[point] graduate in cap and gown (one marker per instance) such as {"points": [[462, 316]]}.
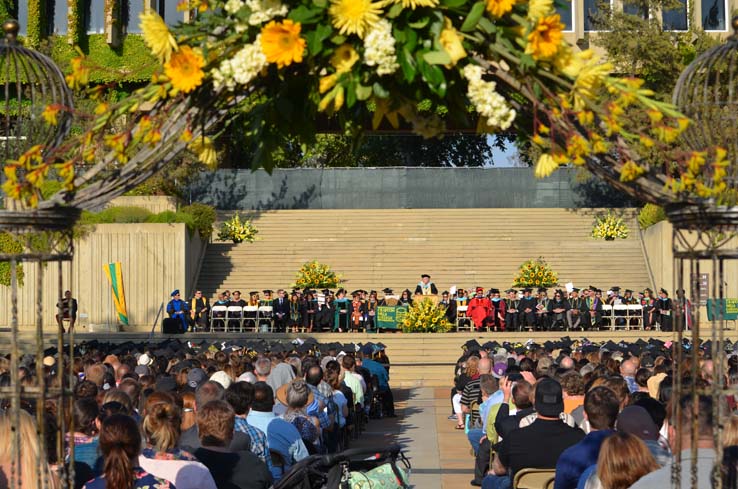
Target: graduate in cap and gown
{"points": [[593, 304], [199, 308], [342, 311], [480, 308], [449, 306], [369, 310], [425, 286], [557, 310], [648, 303], [664, 308], [308, 309], [178, 309], [512, 317], [498, 311], [576, 306], [544, 318]]}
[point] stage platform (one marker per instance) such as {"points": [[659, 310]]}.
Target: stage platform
{"points": [[418, 359]]}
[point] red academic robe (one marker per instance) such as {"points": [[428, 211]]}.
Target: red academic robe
{"points": [[498, 314], [479, 310]]}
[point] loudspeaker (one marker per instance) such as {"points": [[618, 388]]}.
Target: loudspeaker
{"points": [[172, 326]]}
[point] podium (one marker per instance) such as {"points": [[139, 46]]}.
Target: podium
{"points": [[432, 297]]}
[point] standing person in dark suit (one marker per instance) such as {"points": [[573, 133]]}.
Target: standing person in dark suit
{"points": [[325, 315], [68, 310], [281, 311], [425, 286], [199, 309], [593, 304]]}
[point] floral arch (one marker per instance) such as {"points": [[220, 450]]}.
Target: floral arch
{"points": [[423, 65]]}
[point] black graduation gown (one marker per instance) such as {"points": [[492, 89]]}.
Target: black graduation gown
{"points": [[664, 309], [527, 318]]}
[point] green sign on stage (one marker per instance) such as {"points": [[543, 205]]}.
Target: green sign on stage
{"points": [[390, 317], [729, 308]]}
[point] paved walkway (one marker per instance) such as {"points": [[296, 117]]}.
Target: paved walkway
{"points": [[439, 454]]}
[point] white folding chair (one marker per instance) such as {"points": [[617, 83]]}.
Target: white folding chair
{"points": [[635, 315], [234, 314], [251, 315], [218, 314], [607, 316], [265, 315], [461, 318]]}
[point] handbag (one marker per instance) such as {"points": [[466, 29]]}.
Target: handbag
{"points": [[383, 477]]}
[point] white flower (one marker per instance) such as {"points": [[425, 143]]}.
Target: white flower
{"points": [[265, 10], [241, 68], [379, 48], [233, 6], [488, 102]]}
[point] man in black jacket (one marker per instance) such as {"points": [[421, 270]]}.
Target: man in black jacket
{"points": [[426, 287], [281, 311]]}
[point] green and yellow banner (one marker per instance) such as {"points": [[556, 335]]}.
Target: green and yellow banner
{"points": [[114, 271]]}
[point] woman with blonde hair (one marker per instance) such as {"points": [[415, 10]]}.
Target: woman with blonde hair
{"points": [[623, 459], [470, 372], [162, 458], [30, 455], [730, 435]]}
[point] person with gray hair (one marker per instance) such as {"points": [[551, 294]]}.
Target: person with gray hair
{"points": [[297, 395], [262, 369], [190, 439], [567, 363]]}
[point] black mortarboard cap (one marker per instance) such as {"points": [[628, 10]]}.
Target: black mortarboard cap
{"points": [[520, 350], [510, 290], [495, 291], [425, 275], [542, 289], [527, 289], [387, 290], [489, 346], [267, 291], [50, 352], [615, 288], [575, 289], [472, 345]]}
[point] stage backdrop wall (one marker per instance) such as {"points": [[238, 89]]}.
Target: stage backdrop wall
{"points": [[399, 188], [155, 258], [657, 240]]}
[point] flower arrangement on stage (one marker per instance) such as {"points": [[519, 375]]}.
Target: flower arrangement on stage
{"points": [[609, 227], [237, 231], [535, 273], [316, 275], [425, 317]]}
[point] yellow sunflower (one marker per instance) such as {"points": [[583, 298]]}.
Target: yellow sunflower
{"points": [[184, 69], [413, 4], [544, 41], [498, 8], [157, 36], [281, 42], [451, 43], [354, 16], [344, 58]]}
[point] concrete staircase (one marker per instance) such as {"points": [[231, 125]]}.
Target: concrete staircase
{"points": [[373, 249]]}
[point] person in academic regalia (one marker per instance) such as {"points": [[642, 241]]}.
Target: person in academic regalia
{"points": [[281, 311], [356, 312], [342, 311], [615, 299], [449, 306], [648, 303], [405, 299], [370, 311], [236, 300], [388, 299], [542, 315], [512, 316], [684, 310], [178, 309], [199, 309], [254, 298], [425, 286], [664, 309], [557, 309], [498, 311], [628, 298], [326, 315], [309, 307], [576, 306], [593, 303], [527, 308], [480, 308], [294, 320]]}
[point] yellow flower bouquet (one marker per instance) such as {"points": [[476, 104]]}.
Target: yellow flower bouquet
{"points": [[237, 231], [609, 227], [425, 317], [316, 275], [535, 273]]}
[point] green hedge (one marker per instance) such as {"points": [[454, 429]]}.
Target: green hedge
{"points": [[9, 244], [649, 215], [131, 62], [197, 217]]}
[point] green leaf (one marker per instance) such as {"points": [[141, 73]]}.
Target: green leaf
{"points": [[473, 18], [437, 58], [487, 25], [362, 92], [411, 39], [351, 95], [338, 39], [394, 11], [306, 15], [420, 23], [380, 91], [315, 38], [453, 3], [407, 63], [320, 3]]}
